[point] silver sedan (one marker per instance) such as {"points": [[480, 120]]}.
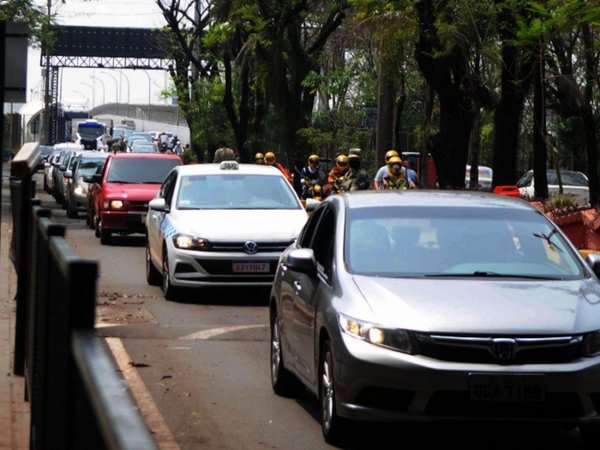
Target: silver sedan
{"points": [[428, 306]]}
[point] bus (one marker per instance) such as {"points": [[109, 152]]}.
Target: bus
{"points": [[92, 134]]}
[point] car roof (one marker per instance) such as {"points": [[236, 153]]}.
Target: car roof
{"points": [[215, 169], [93, 154], [425, 198], [124, 155]]}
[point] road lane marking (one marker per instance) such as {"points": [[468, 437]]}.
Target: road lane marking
{"points": [[213, 332], [148, 408]]}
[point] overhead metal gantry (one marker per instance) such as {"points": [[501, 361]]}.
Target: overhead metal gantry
{"points": [[98, 47]]}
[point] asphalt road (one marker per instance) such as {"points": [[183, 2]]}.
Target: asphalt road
{"points": [[199, 368]]}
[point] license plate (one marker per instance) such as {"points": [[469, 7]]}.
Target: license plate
{"points": [[507, 388], [251, 267]]}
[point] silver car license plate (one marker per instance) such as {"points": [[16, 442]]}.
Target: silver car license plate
{"points": [[251, 267], [507, 388]]}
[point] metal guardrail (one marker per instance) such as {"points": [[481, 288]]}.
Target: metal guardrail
{"points": [[77, 398]]}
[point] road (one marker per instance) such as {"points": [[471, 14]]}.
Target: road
{"points": [[199, 367]]}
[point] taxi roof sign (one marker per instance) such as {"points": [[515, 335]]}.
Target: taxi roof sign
{"points": [[229, 165]]}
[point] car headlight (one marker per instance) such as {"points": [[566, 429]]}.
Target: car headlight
{"points": [[78, 190], [187, 242], [394, 339], [113, 204], [591, 344]]}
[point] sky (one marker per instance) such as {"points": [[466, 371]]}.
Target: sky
{"points": [[92, 87]]}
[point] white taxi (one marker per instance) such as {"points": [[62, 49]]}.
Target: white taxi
{"points": [[220, 225]]}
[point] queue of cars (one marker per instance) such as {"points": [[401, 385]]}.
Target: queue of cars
{"points": [[386, 305]]}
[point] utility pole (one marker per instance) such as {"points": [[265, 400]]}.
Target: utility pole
{"points": [[46, 122]]}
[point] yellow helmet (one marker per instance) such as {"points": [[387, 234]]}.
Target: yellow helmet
{"points": [[313, 159], [389, 154], [259, 158], [270, 158], [394, 164], [341, 162]]}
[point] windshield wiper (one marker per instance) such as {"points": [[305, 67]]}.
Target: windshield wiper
{"points": [[490, 274]]}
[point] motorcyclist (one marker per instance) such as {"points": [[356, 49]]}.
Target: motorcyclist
{"points": [[378, 180], [259, 158], [270, 161], [356, 178], [163, 142], [395, 177], [311, 176], [335, 180]]}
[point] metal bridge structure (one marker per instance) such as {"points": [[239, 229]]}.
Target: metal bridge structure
{"points": [[107, 48]]}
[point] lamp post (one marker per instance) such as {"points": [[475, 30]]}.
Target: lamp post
{"points": [[87, 99], [117, 94], [103, 91], [93, 93], [149, 91], [121, 75]]}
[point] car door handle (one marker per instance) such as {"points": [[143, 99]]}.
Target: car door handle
{"points": [[298, 285]]}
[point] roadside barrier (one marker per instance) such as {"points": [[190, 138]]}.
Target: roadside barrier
{"points": [[77, 398]]}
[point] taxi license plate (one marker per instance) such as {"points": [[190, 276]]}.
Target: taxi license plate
{"points": [[251, 267], [507, 388]]}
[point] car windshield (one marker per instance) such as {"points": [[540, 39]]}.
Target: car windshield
{"points": [[450, 242], [140, 170], [236, 192], [88, 166]]}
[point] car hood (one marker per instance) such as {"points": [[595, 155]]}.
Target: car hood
{"points": [[484, 306], [131, 191], [237, 225]]}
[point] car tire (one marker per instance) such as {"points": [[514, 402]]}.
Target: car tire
{"points": [[169, 290], [105, 236], [283, 381], [153, 276], [334, 427], [72, 211], [590, 435], [96, 221]]}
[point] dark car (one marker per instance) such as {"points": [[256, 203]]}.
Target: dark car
{"points": [[414, 306], [79, 177]]}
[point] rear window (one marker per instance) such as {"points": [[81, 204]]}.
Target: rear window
{"points": [[140, 170]]}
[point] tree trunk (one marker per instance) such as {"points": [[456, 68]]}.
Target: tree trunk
{"points": [[587, 114], [539, 131], [385, 113]]}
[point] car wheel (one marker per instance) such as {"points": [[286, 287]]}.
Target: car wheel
{"points": [[105, 236], [168, 289], [590, 435], [333, 426], [71, 210], [152, 274], [283, 381]]}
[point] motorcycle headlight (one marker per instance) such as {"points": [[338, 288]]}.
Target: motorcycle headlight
{"points": [[395, 339], [591, 344], [78, 190], [187, 242]]}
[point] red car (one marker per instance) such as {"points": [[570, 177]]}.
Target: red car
{"points": [[120, 195]]}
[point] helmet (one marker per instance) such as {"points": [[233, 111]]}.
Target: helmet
{"points": [[394, 164], [313, 159], [389, 154], [270, 158], [259, 158], [341, 162]]}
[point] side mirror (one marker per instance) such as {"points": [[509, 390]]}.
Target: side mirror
{"points": [[158, 204], [593, 260], [97, 178], [87, 179], [311, 204], [68, 174], [302, 260], [62, 168]]}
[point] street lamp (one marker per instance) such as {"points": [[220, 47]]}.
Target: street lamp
{"points": [[117, 95], [103, 91], [149, 91], [121, 74], [93, 93], [87, 99]]}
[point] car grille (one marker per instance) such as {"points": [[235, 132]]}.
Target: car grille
{"points": [[138, 206], [458, 404], [262, 247], [225, 267], [500, 350]]}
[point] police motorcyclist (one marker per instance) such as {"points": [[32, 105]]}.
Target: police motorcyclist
{"points": [[395, 177], [312, 175], [335, 180], [356, 179]]}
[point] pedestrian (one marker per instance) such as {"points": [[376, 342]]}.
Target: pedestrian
{"points": [[224, 153], [378, 180]]}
